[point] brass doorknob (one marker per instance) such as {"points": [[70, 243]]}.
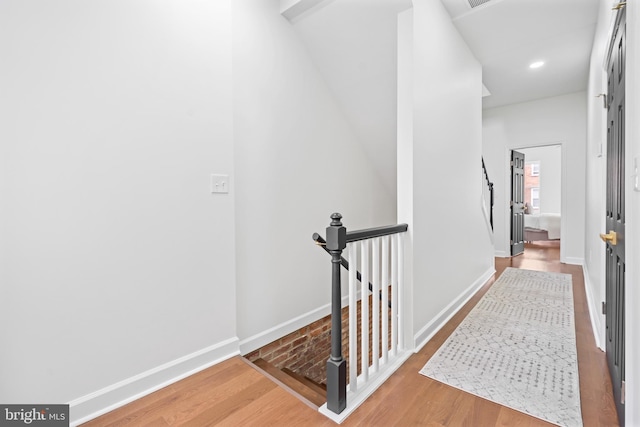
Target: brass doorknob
{"points": [[612, 238], [619, 5]]}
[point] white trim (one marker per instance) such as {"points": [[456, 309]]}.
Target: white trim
{"points": [[501, 254], [564, 190], [535, 190], [485, 92], [119, 394], [594, 313], [535, 168], [263, 338], [430, 329], [572, 260]]}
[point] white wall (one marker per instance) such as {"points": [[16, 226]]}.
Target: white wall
{"points": [[550, 161], [297, 161], [114, 253], [595, 207], [557, 120], [353, 45], [115, 257], [445, 209], [405, 168], [596, 166]]}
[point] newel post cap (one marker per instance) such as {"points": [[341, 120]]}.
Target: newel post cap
{"points": [[336, 234]]}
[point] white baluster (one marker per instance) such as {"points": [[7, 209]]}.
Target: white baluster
{"points": [[364, 310], [353, 317], [394, 297], [385, 299], [400, 238], [375, 304]]}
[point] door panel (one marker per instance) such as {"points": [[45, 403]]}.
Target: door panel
{"points": [[615, 213], [517, 203]]}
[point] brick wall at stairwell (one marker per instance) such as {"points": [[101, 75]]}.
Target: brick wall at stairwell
{"points": [[306, 350]]}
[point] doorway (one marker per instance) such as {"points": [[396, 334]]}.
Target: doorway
{"points": [[540, 195]]}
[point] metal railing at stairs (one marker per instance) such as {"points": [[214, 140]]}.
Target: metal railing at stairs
{"points": [[488, 193]]}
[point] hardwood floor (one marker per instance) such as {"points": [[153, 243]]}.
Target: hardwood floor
{"points": [[234, 394]]}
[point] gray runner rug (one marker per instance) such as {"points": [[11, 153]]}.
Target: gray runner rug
{"points": [[517, 347]]}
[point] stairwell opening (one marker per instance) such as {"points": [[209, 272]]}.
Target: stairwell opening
{"points": [[304, 352]]}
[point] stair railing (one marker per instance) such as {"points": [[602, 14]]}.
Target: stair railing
{"points": [[322, 243], [487, 193], [376, 261]]}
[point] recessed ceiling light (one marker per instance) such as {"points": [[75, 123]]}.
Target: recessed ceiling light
{"points": [[537, 64]]}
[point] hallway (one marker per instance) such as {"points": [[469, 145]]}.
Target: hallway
{"points": [[232, 393]]}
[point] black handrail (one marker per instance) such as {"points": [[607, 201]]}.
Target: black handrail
{"points": [[337, 238], [370, 233], [490, 185]]}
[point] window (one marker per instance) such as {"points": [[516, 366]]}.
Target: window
{"points": [[535, 169], [535, 198]]}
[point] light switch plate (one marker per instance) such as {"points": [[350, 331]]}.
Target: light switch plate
{"points": [[219, 183]]}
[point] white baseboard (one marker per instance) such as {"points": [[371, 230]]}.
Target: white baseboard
{"points": [[119, 394], [594, 313], [502, 254], [430, 329], [256, 341], [572, 260]]}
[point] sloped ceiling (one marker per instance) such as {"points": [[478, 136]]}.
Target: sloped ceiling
{"points": [[353, 44]]}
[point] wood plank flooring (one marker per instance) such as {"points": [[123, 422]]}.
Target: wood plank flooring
{"points": [[234, 394]]}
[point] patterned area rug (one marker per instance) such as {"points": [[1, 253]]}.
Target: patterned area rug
{"points": [[517, 347]]}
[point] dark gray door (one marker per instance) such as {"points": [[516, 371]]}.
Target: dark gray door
{"points": [[517, 203], [615, 215]]}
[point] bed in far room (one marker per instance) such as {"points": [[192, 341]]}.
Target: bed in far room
{"points": [[545, 226]]}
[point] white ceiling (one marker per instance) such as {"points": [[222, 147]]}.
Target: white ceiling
{"points": [[508, 35], [353, 44]]}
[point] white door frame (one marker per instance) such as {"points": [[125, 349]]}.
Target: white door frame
{"points": [[563, 192]]}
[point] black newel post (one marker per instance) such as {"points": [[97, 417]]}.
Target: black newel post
{"points": [[336, 365]]}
